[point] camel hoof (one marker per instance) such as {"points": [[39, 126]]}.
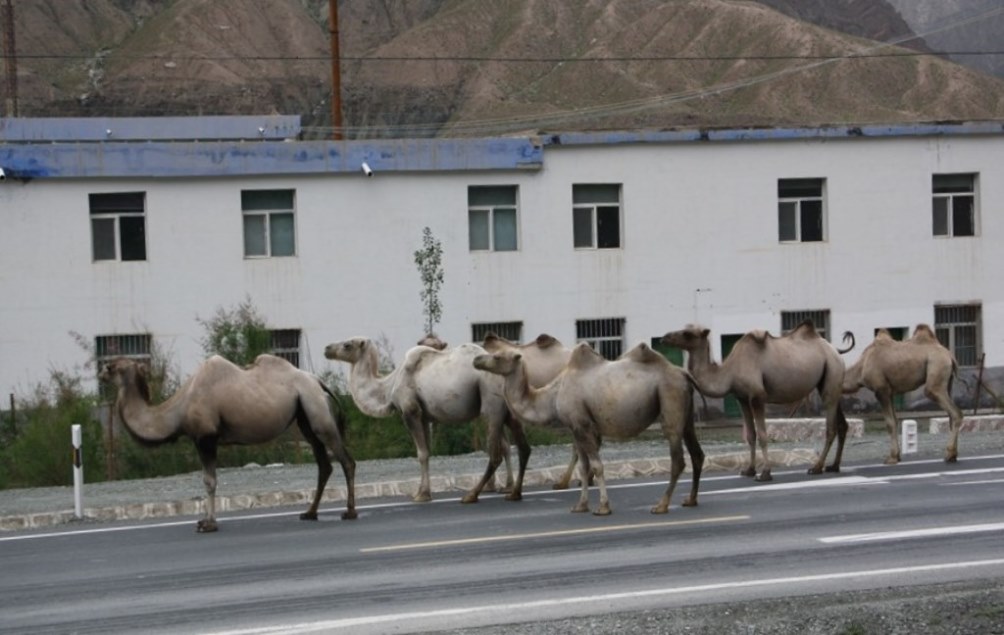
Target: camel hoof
{"points": [[763, 477], [690, 502], [308, 516], [206, 526], [560, 486], [514, 496], [952, 458], [469, 498], [580, 509], [349, 515], [659, 509], [891, 460], [748, 472], [422, 498], [815, 469], [603, 510], [833, 469]]}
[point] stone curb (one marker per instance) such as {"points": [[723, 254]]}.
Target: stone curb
{"points": [[614, 470]]}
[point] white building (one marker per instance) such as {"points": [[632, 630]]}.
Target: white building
{"points": [[123, 230]]}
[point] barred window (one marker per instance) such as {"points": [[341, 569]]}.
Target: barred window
{"points": [[512, 331], [605, 335], [135, 346], [286, 344], [958, 328], [820, 317]]}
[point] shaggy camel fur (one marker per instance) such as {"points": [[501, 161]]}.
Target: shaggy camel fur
{"points": [[888, 368], [433, 386], [763, 369], [544, 357], [222, 404], [597, 398]]}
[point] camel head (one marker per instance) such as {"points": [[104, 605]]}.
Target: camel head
{"points": [[500, 363], [689, 338], [350, 351], [124, 372]]}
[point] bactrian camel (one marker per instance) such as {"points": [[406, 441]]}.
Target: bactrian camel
{"points": [[763, 369], [619, 399], [433, 386], [223, 404], [544, 357], [888, 368]]}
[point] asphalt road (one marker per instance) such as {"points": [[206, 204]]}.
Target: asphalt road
{"points": [[404, 567]]}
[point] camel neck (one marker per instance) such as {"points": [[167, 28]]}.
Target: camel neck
{"points": [[535, 406], [370, 391], [712, 379], [149, 424]]}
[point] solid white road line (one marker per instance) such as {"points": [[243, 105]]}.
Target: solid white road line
{"points": [[914, 533]]}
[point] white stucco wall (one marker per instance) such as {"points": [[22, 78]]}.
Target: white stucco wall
{"points": [[699, 245]]}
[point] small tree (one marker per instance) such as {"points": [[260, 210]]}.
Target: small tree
{"points": [[239, 334], [429, 260]]}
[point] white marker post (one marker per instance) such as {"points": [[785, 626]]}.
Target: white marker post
{"points": [[78, 473], [909, 433]]}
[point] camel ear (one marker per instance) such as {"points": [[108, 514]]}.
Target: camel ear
{"points": [[705, 332], [517, 357]]}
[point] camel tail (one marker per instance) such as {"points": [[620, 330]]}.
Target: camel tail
{"points": [[695, 388], [847, 336], [339, 408]]}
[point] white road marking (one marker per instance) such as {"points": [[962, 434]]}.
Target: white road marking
{"points": [[509, 609], [839, 481], [914, 533]]}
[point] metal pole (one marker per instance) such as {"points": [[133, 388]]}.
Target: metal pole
{"points": [[10, 57], [78, 473], [336, 73]]}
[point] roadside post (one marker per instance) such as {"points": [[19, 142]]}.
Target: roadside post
{"points": [[78, 473], [909, 441]]}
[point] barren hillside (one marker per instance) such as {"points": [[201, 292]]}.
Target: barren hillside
{"points": [[423, 67]]}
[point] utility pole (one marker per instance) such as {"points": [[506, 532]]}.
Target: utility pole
{"points": [[336, 72], [10, 57]]}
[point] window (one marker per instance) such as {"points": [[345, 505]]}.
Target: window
{"points": [[954, 204], [800, 210], [286, 344], [606, 335], [596, 216], [821, 318], [958, 329], [118, 226], [512, 331], [491, 215], [268, 223]]}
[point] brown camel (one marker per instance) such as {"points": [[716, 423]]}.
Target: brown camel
{"points": [[222, 404], [619, 399], [763, 369], [433, 386], [544, 357], [888, 368]]}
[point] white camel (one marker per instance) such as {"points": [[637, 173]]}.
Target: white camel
{"points": [[433, 386], [619, 399], [889, 368], [763, 369], [222, 404]]}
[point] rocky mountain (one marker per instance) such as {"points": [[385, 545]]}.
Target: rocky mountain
{"points": [[484, 67]]}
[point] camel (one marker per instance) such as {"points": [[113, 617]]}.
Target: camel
{"points": [[763, 369], [544, 357], [433, 386], [888, 368], [598, 398], [432, 341], [222, 404]]}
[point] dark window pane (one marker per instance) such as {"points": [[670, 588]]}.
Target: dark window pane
{"points": [[610, 349], [582, 227], [962, 216], [252, 200], [103, 238], [608, 227], [504, 221], [812, 221], [799, 188], [117, 202], [950, 183], [941, 216], [596, 193], [254, 235], [965, 345], [786, 221], [491, 195], [133, 237], [281, 234], [478, 230]]}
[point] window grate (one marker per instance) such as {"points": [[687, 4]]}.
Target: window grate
{"points": [[819, 317], [605, 335], [512, 331], [136, 346], [286, 344], [958, 329]]}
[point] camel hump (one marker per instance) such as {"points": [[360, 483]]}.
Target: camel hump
{"points": [[546, 341], [806, 328], [643, 354], [924, 332], [883, 334], [760, 336], [414, 358], [584, 356]]}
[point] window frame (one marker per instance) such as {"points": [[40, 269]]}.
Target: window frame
{"points": [[799, 202], [582, 191], [950, 197], [491, 212], [269, 216], [605, 335], [949, 320], [114, 207]]}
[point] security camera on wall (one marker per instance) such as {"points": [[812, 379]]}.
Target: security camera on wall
{"points": [[3, 175], [367, 170]]}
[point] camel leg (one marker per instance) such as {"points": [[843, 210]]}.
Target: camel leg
{"points": [[495, 444], [760, 417], [749, 433], [523, 446], [566, 478], [941, 397], [842, 426], [414, 420], [585, 471], [836, 429], [884, 398], [207, 455], [324, 468], [696, 456], [331, 445], [676, 466]]}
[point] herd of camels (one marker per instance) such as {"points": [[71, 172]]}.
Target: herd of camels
{"points": [[538, 383]]}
